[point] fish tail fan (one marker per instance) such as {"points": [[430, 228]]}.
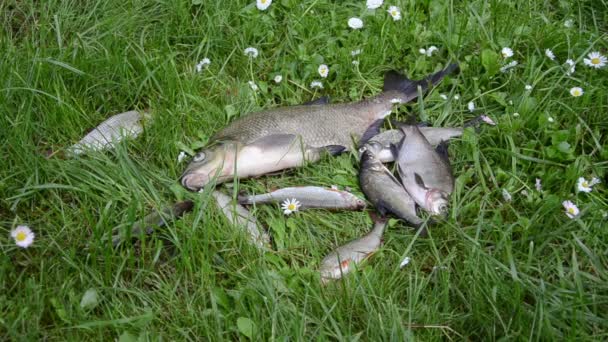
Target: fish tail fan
{"points": [[393, 81]]}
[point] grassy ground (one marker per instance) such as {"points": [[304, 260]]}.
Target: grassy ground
{"points": [[494, 270]]}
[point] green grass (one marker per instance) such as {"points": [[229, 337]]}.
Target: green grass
{"points": [[493, 270]]}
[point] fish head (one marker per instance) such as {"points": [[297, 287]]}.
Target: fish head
{"points": [[437, 202], [208, 164]]}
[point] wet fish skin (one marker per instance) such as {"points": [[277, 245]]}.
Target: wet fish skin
{"points": [[269, 154], [110, 132], [435, 135], [326, 126], [344, 258], [309, 197], [425, 174], [382, 189], [237, 215]]}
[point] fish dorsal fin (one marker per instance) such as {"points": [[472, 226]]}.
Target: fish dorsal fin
{"points": [[320, 101], [371, 131], [393, 81], [419, 180]]}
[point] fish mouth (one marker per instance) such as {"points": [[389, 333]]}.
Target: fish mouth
{"points": [[194, 181]]}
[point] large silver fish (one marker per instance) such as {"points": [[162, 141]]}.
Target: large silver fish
{"points": [[238, 216], [309, 197], [343, 260], [110, 132], [425, 171], [286, 137], [382, 189]]}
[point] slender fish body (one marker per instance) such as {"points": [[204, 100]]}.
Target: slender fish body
{"points": [[343, 260], [270, 140], [382, 189], [425, 171], [110, 132], [237, 215], [310, 197]]}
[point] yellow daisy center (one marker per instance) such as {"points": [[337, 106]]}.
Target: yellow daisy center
{"points": [[263, 1], [595, 60], [585, 184], [21, 236], [394, 13], [576, 92], [571, 211], [291, 206]]}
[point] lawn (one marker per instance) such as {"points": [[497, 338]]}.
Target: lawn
{"points": [[507, 263]]}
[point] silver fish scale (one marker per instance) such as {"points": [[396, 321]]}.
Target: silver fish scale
{"points": [[318, 125]]}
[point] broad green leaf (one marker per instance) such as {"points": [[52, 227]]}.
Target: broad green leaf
{"points": [[245, 326]]}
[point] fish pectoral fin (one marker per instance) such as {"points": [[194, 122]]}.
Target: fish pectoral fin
{"points": [[371, 131], [333, 149], [274, 141], [419, 181], [320, 101]]}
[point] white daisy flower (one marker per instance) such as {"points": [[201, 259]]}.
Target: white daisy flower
{"points": [[323, 70], [569, 23], [571, 67], [582, 185], [355, 52], [506, 67], [355, 23], [550, 54], [290, 206], [316, 84], [202, 64], [506, 52], [181, 156], [251, 52], [262, 5], [594, 181], [456, 97], [443, 96], [405, 262], [395, 12], [550, 119], [506, 195], [571, 209], [373, 4], [355, 62], [595, 60], [422, 51], [515, 114], [576, 91], [538, 185], [278, 79], [524, 192], [253, 86], [430, 50], [471, 106], [528, 87], [23, 236]]}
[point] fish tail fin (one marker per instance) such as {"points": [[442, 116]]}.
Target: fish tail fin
{"points": [[243, 198], [376, 218], [393, 81]]}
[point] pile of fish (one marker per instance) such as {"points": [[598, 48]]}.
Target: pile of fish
{"points": [[277, 139]]}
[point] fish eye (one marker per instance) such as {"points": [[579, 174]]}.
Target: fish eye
{"points": [[199, 157]]}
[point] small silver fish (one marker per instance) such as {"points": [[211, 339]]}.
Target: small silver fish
{"points": [[434, 135], [343, 260], [110, 132], [309, 197], [382, 189], [237, 215], [424, 172]]}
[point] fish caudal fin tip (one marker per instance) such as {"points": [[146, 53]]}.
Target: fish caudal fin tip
{"points": [[396, 81], [334, 149]]}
